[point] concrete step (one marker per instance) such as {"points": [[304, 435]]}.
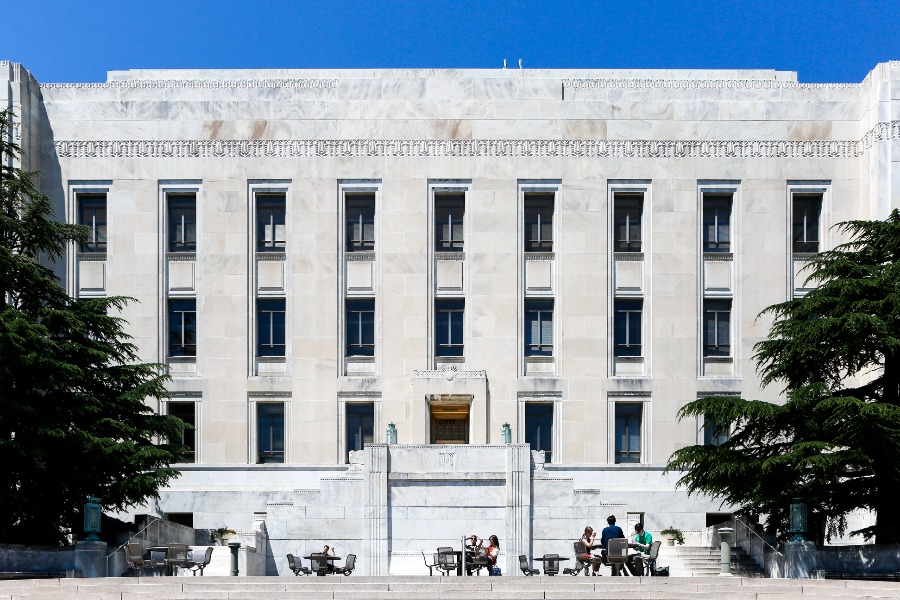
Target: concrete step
{"points": [[441, 588]]}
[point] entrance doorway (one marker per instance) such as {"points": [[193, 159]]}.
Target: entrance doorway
{"points": [[449, 418]]}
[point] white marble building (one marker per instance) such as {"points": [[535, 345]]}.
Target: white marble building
{"points": [[318, 254]]}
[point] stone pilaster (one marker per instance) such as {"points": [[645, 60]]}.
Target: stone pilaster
{"points": [[376, 509], [518, 505]]}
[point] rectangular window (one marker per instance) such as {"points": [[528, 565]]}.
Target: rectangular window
{"points": [[539, 328], [182, 327], [448, 327], [717, 222], [360, 425], [449, 210], [628, 210], [539, 427], [538, 222], [270, 325], [185, 412], [271, 233], [717, 327], [92, 214], [807, 211], [182, 214], [360, 216], [628, 433], [361, 327], [713, 433], [270, 432], [627, 327]]}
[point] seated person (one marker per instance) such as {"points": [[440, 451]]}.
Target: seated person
{"points": [[588, 540], [329, 565], [610, 532], [493, 550], [644, 543]]}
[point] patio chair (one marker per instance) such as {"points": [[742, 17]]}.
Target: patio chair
{"points": [[318, 564], [177, 556], [617, 555], [551, 564], [348, 567], [431, 566], [134, 556], [446, 560], [523, 565], [296, 565], [583, 560], [648, 561], [199, 565]]}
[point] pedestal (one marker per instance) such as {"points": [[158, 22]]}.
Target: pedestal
{"points": [[90, 558], [799, 559]]}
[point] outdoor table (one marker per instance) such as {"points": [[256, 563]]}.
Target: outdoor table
{"points": [[327, 557]]}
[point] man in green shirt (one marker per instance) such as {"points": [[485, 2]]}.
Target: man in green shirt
{"points": [[644, 542]]}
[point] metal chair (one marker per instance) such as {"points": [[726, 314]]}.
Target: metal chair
{"points": [[584, 560], [134, 556], [318, 564], [177, 556], [199, 565], [348, 567], [523, 565], [617, 555], [648, 561], [431, 566], [446, 560], [551, 564], [296, 565]]}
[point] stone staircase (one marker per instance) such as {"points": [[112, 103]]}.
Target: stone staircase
{"points": [[699, 561], [441, 588]]}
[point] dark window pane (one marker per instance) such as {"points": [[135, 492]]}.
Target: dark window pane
{"points": [[717, 327], [182, 222], [360, 425], [185, 412], [538, 222], [713, 433], [807, 212], [270, 337], [628, 433], [449, 211], [92, 214], [360, 223], [627, 213], [539, 427], [627, 327], [270, 432], [183, 327], [360, 327], [448, 327], [271, 233], [717, 223], [539, 328]]}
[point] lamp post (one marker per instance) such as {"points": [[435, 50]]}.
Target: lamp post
{"points": [[391, 434], [506, 434], [93, 511]]}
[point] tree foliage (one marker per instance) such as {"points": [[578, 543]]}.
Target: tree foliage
{"points": [[74, 421], [835, 442]]}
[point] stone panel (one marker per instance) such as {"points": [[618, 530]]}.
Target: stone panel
{"points": [[91, 277]]}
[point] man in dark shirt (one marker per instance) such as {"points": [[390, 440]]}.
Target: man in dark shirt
{"points": [[610, 532]]}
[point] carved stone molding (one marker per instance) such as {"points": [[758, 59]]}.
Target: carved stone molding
{"points": [[699, 84], [473, 148], [443, 374], [303, 84]]}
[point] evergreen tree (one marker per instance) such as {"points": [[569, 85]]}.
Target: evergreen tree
{"points": [[74, 421], [835, 442]]}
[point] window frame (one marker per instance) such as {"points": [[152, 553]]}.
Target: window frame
{"points": [[193, 453], [359, 200], [92, 245], [646, 425], [186, 244], [628, 245], [274, 201], [348, 407], [450, 306], [708, 198], [446, 202], [620, 308], [349, 305], [269, 306], [539, 200], [809, 196], [274, 453], [170, 313], [539, 306], [551, 408], [711, 306]]}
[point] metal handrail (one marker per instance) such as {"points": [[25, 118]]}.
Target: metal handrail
{"points": [[746, 525], [153, 521]]}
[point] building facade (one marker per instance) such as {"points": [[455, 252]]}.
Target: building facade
{"points": [[563, 257]]}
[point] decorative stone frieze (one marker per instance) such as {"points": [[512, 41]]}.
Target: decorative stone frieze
{"points": [[303, 84]]}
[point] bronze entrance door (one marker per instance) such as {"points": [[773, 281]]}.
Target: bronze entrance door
{"points": [[449, 422]]}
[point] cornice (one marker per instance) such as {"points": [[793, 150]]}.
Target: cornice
{"points": [[303, 84], [700, 84], [487, 148]]}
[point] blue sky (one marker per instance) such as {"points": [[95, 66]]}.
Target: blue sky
{"points": [[79, 40]]}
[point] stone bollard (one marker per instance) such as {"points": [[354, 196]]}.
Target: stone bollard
{"points": [[234, 557], [725, 535]]}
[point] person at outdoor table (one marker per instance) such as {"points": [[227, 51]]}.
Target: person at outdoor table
{"points": [[644, 541], [610, 532], [493, 550], [329, 565], [588, 540]]}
